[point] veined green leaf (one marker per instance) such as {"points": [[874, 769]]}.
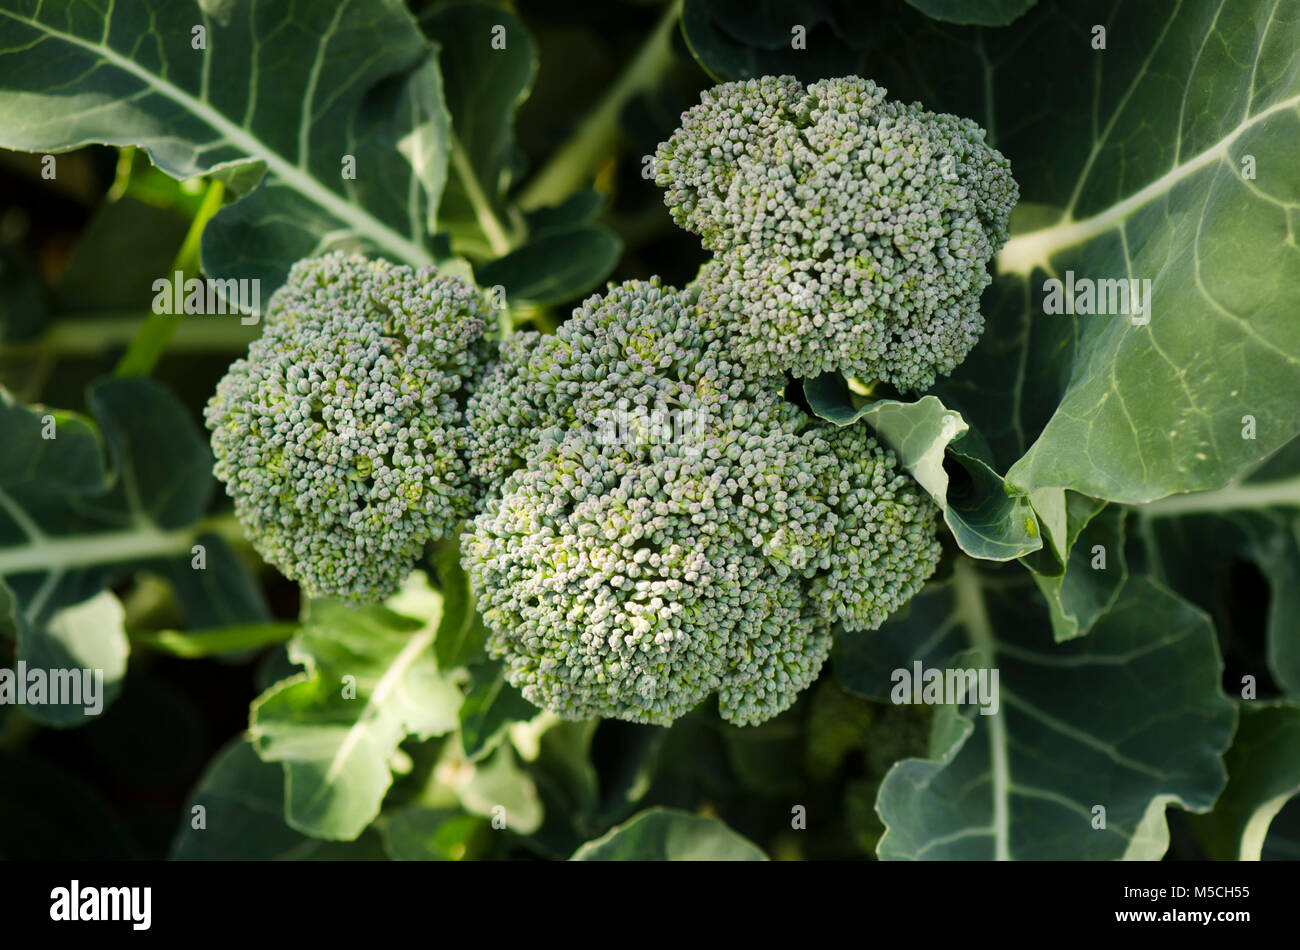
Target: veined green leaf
{"points": [[1263, 775], [1133, 717], [1148, 178], [370, 680], [341, 102], [70, 525], [665, 834]]}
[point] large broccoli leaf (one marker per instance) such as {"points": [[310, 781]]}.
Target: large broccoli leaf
{"points": [[342, 103], [1087, 741], [72, 525], [1170, 160]]}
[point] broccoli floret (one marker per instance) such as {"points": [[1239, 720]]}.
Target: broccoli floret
{"points": [[850, 233], [667, 523], [885, 544], [342, 437]]}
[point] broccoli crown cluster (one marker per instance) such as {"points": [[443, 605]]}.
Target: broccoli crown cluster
{"points": [[850, 233], [667, 525], [341, 436]]}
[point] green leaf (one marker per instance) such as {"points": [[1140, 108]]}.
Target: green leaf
{"points": [[556, 266], [1190, 540], [419, 833], [370, 680], [499, 789], [1143, 179], [295, 88], [1263, 775], [488, 63], [223, 594], [986, 521], [664, 834], [88, 636], [99, 278], [1085, 569], [70, 526], [237, 814], [579, 208], [977, 12], [1128, 719], [461, 634], [740, 39], [491, 705]]}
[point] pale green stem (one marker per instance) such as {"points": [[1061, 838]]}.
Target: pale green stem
{"points": [[488, 222], [89, 335], [970, 607], [578, 159]]}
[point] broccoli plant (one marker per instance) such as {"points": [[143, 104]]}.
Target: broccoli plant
{"points": [[465, 430]]}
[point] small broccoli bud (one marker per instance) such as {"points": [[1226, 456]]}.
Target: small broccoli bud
{"points": [[341, 436], [630, 567], [851, 233]]}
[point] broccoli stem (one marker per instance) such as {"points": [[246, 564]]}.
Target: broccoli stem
{"points": [[577, 159], [150, 342], [488, 222], [197, 644], [84, 334]]}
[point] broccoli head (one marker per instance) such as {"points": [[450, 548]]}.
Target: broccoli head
{"points": [[667, 525], [850, 233], [341, 436]]}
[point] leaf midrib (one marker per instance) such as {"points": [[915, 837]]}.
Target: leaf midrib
{"points": [[386, 684], [1034, 249], [969, 605]]}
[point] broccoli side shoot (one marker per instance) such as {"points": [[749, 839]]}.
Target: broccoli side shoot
{"points": [[851, 233], [341, 436]]}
